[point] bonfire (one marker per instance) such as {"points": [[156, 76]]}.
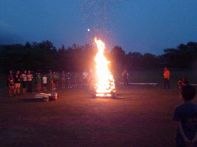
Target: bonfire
{"points": [[105, 85]]}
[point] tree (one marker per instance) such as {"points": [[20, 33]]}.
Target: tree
{"points": [[118, 57]]}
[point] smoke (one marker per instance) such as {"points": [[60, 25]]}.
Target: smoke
{"points": [[96, 16], [97, 13]]}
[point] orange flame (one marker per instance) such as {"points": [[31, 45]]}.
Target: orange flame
{"points": [[105, 85]]}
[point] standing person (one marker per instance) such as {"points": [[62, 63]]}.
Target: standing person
{"points": [[10, 83], [17, 83], [54, 80], [24, 81], [50, 80], [44, 82], [38, 81], [166, 78], [29, 80], [10, 76], [68, 80], [85, 76], [186, 117], [125, 76], [63, 80]]}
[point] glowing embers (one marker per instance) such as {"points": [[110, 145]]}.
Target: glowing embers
{"points": [[105, 86]]}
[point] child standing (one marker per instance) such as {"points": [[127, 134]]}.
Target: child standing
{"points": [[38, 81], [29, 81], [24, 81], [44, 82], [186, 117], [63, 80], [17, 81], [11, 84]]}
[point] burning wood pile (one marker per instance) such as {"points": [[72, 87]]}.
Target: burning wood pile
{"points": [[105, 85]]}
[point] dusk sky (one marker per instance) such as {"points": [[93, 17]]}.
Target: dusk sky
{"points": [[135, 25]]}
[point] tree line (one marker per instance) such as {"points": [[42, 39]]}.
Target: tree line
{"points": [[43, 56]]}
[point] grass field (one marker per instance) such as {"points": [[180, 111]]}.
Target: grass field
{"points": [[139, 117]]}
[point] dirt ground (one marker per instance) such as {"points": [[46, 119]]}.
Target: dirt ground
{"points": [[139, 117]]}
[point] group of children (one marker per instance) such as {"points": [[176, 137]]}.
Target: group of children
{"points": [[23, 82], [19, 82]]}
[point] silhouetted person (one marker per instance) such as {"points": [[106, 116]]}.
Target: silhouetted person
{"points": [[38, 81], [186, 116], [68, 80], [24, 81], [17, 80], [44, 82], [166, 78], [29, 81], [11, 84], [125, 76], [63, 80]]}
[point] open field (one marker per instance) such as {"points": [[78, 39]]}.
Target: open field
{"points": [[139, 117]]}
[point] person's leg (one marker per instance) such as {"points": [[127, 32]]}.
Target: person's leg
{"points": [[31, 86], [19, 88], [168, 84], [16, 88], [164, 83], [24, 87]]}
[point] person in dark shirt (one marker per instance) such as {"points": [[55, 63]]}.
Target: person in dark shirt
{"points": [[24, 81], [186, 117], [29, 81], [17, 82], [10, 83]]}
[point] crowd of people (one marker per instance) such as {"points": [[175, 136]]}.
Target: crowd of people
{"points": [[21, 82]]}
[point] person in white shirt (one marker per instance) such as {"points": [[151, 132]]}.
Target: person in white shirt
{"points": [[44, 82]]}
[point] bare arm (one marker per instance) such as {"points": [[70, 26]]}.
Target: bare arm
{"points": [[182, 133]]}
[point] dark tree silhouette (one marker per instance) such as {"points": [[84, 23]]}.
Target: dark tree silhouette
{"points": [[77, 58]]}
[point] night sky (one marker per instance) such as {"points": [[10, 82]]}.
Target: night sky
{"points": [[135, 25]]}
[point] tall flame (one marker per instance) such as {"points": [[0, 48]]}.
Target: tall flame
{"points": [[105, 85]]}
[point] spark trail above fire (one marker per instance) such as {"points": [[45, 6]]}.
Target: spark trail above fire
{"points": [[105, 85]]}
